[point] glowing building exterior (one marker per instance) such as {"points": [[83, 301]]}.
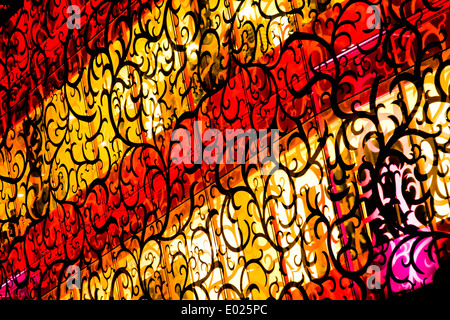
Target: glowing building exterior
{"points": [[90, 96]]}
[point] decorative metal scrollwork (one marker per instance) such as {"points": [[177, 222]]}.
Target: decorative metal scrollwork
{"points": [[94, 206]]}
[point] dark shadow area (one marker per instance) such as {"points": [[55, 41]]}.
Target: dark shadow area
{"points": [[8, 8], [438, 289]]}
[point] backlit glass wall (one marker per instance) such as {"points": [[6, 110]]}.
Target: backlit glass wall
{"points": [[91, 97]]}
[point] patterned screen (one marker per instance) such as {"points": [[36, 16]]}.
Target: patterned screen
{"points": [[344, 193]]}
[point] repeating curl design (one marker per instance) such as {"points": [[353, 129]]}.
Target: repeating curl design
{"points": [[87, 178]]}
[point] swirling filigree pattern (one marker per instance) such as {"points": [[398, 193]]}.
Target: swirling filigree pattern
{"points": [[358, 91]]}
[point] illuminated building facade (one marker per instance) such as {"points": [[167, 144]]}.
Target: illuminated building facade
{"points": [[357, 206]]}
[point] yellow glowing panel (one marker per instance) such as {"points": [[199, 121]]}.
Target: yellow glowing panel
{"points": [[227, 235], [436, 113], [153, 272]]}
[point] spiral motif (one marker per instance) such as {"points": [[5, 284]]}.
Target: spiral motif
{"points": [[90, 99]]}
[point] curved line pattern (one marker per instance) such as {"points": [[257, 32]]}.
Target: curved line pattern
{"points": [[358, 91]]}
